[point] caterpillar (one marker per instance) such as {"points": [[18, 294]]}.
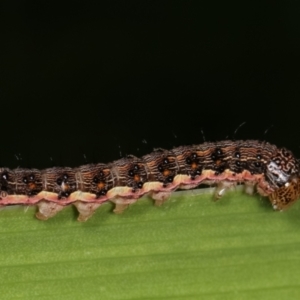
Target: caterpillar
{"points": [[260, 166]]}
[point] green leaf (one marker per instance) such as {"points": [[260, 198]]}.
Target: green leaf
{"points": [[189, 248]]}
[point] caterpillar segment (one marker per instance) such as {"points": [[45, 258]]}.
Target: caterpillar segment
{"points": [[260, 166]]}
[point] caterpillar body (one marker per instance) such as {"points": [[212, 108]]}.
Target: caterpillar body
{"points": [[272, 171]]}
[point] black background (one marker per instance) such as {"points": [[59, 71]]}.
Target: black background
{"points": [[100, 81]]}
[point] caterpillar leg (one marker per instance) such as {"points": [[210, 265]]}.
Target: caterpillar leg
{"points": [[122, 203], [47, 209], [222, 187], [120, 207], [86, 210], [250, 187], [160, 197]]}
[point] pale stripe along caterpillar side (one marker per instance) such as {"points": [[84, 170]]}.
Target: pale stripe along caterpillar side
{"points": [[274, 172]]}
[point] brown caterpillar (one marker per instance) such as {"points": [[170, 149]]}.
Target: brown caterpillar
{"points": [[273, 171]]}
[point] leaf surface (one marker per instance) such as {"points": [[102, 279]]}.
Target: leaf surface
{"points": [[190, 248]]}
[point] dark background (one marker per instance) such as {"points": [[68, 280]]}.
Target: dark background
{"points": [[99, 81]]}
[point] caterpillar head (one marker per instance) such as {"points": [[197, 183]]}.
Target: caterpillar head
{"points": [[286, 194], [282, 172], [281, 168]]}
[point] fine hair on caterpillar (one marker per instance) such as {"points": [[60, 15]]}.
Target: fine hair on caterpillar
{"points": [[260, 166]]}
